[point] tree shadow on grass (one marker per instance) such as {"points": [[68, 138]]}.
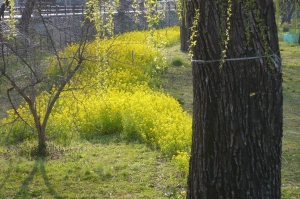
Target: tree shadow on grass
{"points": [[46, 180], [24, 189]]}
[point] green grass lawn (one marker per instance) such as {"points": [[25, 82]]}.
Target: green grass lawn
{"points": [[114, 168], [110, 168], [291, 121]]}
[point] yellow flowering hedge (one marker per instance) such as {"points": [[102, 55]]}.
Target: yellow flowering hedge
{"points": [[116, 98]]}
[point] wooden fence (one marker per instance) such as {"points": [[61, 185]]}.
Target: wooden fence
{"points": [[58, 10]]}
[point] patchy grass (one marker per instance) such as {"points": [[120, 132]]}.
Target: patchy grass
{"points": [[110, 169], [177, 81], [290, 54]]}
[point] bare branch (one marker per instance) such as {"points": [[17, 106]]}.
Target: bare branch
{"points": [[14, 107]]}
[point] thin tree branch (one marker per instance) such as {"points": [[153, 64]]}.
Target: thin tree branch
{"points": [[14, 108]]}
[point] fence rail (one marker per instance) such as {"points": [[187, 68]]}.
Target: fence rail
{"points": [[47, 10], [63, 10], [52, 10]]}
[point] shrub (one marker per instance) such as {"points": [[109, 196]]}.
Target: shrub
{"points": [[181, 161], [285, 27], [17, 132], [177, 62]]}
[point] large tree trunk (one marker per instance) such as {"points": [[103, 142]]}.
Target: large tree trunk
{"points": [[184, 36], [288, 9], [237, 113]]}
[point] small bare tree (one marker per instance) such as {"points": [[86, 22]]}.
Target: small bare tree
{"points": [[24, 52], [23, 67]]}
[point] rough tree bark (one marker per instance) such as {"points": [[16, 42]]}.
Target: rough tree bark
{"points": [[287, 11], [237, 113], [184, 36]]}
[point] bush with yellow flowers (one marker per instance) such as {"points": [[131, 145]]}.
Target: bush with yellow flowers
{"points": [[115, 98]]}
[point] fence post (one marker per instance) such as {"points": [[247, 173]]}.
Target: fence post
{"points": [[169, 14], [70, 41], [66, 39], [65, 10]]}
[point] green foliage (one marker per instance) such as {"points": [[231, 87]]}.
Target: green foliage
{"points": [[194, 32], [103, 23], [177, 62], [15, 130]]}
